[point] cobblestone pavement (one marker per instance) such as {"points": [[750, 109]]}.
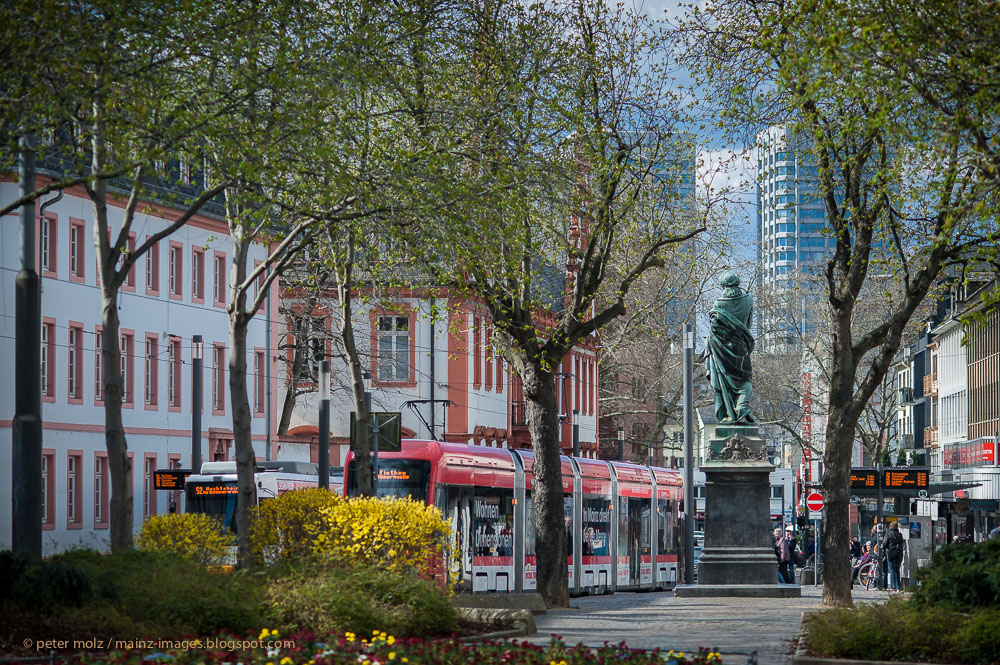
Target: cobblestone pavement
{"points": [[648, 620]]}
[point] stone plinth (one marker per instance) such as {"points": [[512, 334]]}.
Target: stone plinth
{"points": [[738, 559]]}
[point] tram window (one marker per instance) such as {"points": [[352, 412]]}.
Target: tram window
{"points": [[665, 530], [493, 522], [568, 510], [596, 524]]}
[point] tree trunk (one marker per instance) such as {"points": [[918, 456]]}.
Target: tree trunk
{"points": [[362, 442], [238, 398], [121, 502], [550, 515], [842, 421]]}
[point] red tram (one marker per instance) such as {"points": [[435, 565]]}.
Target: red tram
{"points": [[621, 518]]}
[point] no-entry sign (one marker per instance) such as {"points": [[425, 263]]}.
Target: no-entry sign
{"points": [[815, 501]]}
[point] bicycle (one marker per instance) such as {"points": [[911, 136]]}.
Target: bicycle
{"points": [[868, 575]]}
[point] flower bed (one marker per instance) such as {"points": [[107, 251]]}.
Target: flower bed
{"points": [[271, 648]]}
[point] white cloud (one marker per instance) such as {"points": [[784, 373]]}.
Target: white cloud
{"points": [[726, 170]]}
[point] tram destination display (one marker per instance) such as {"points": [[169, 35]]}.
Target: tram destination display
{"points": [[170, 479], [866, 478]]}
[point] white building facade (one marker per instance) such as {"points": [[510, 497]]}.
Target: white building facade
{"points": [[178, 290]]}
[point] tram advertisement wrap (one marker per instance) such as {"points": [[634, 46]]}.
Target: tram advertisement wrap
{"points": [[492, 522]]}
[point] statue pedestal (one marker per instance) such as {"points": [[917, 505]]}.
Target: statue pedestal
{"points": [[738, 559]]}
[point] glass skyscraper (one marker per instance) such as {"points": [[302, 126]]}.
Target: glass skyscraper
{"points": [[791, 217]]}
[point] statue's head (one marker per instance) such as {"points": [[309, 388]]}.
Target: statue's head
{"points": [[729, 278]]}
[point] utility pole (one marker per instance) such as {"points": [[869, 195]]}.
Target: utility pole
{"points": [[880, 525], [621, 443], [197, 376], [689, 507], [576, 433], [26, 463], [324, 424]]}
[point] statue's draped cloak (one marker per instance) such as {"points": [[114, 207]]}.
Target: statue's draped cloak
{"points": [[728, 359]]}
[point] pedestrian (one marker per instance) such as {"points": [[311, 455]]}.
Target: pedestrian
{"points": [[994, 533], [866, 555], [786, 550], [855, 548], [894, 544], [775, 537]]}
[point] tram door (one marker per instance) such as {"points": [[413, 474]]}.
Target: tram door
{"points": [[633, 541]]}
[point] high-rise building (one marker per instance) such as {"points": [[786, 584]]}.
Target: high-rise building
{"points": [[790, 221]]}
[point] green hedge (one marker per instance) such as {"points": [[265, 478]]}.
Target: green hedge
{"points": [[962, 575], [328, 601], [901, 630]]}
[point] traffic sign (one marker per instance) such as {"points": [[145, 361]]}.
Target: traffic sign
{"points": [[814, 501]]}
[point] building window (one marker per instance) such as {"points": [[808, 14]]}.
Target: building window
{"points": [[153, 269], [317, 346], [48, 356], [48, 490], [477, 354], [73, 487], [394, 348], [128, 369], [220, 279], [76, 249], [152, 351], [174, 373], [75, 364], [488, 348], [130, 277], [148, 491], [99, 365], [100, 490], [198, 275], [48, 248], [258, 381], [176, 270], [218, 378]]}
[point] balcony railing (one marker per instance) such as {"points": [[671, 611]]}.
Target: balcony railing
{"points": [[931, 384], [931, 435]]}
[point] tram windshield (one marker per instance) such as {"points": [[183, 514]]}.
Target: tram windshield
{"points": [[396, 478]]}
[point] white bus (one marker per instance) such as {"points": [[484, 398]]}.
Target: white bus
{"points": [[213, 491]]}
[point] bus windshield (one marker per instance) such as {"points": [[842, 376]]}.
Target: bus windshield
{"points": [[396, 478], [215, 498]]}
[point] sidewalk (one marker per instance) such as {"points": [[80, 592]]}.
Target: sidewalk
{"points": [[649, 620]]}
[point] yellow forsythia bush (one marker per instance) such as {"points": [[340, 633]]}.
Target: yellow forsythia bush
{"points": [[392, 534], [192, 536], [284, 528]]}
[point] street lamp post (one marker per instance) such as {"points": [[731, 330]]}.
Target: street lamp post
{"points": [[621, 443], [689, 507], [26, 458], [197, 354], [324, 424], [372, 431]]}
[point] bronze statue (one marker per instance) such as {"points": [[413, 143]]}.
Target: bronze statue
{"points": [[727, 360]]}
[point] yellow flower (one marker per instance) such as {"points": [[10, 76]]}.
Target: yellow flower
{"points": [[349, 637], [392, 655], [286, 661], [264, 633], [391, 640]]}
